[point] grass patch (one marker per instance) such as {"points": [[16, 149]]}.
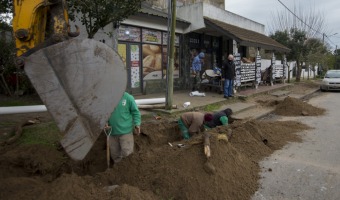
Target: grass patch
{"points": [[16, 103], [212, 107], [44, 133], [25, 100]]}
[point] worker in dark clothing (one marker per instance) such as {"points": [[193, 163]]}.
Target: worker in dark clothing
{"points": [[228, 76], [220, 118]]}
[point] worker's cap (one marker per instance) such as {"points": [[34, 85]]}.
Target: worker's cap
{"points": [[208, 117], [201, 55], [228, 112]]}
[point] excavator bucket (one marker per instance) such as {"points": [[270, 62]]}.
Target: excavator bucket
{"points": [[80, 81]]}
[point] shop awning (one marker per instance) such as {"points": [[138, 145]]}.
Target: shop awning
{"points": [[246, 37], [148, 10]]}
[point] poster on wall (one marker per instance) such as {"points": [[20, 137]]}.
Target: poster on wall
{"points": [[152, 62], [273, 69], [128, 33], [135, 65], [284, 66], [237, 60], [258, 69], [122, 52], [151, 36]]}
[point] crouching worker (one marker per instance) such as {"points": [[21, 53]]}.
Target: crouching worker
{"points": [[193, 122], [220, 118], [124, 120]]}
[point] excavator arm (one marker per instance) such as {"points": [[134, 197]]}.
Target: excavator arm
{"points": [[79, 80], [35, 20]]}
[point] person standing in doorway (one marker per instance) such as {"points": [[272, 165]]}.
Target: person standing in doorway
{"points": [[228, 76], [197, 64]]}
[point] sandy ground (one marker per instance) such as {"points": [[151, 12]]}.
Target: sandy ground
{"points": [[155, 170]]}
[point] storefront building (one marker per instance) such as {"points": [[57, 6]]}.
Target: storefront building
{"points": [[141, 41]]}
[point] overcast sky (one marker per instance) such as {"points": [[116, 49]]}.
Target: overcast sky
{"points": [[262, 11]]}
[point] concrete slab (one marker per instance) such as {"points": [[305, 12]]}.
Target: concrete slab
{"points": [[253, 113], [238, 107], [280, 93]]}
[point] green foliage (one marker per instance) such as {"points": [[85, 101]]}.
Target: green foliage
{"points": [[7, 54], [6, 7], [316, 51], [309, 50], [97, 14], [8, 69]]}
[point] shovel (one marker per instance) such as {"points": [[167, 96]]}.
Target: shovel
{"points": [[107, 131]]}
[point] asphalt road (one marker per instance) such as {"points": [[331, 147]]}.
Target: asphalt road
{"points": [[309, 170]]}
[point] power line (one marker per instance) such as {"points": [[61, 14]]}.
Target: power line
{"points": [[299, 18], [323, 34]]}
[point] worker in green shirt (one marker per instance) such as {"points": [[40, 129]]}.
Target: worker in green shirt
{"points": [[124, 120]]}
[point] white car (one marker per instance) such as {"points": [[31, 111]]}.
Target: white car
{"points": [[331, 81]]}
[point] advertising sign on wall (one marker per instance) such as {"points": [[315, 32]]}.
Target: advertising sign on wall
{"points": [[135, 63], [128, 33], [237, 60], [152, 62], [258, 69], [152, 36]]}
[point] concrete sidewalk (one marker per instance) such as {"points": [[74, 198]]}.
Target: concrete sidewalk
{"points": [[196, 102]]}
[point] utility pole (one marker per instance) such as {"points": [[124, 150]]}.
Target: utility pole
{"points": [[336, 58], [323, 38], [171, 54]]}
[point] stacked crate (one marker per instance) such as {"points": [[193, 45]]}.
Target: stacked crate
{"points": [[248, 73]]}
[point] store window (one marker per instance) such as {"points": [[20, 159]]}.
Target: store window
{"points": [[152, 54], [153, 57]]}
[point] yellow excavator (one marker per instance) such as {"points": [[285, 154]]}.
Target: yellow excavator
{"points": [[79, 80]]}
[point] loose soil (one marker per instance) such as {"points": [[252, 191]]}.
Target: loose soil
{"points": [[296, 107], [158, 168]]}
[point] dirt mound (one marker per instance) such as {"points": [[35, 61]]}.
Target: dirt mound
{"points": [[295, 107], [268, 102], [30, 160], [158, 169]]}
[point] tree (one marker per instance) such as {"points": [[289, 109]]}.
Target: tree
{"points": [[302, 18], [97, 14], [301, 27], [295, 40], [337, 59], [316, 53], [5, 12]]}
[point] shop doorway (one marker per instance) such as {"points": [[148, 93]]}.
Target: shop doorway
{"points": [[130, 53]]}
